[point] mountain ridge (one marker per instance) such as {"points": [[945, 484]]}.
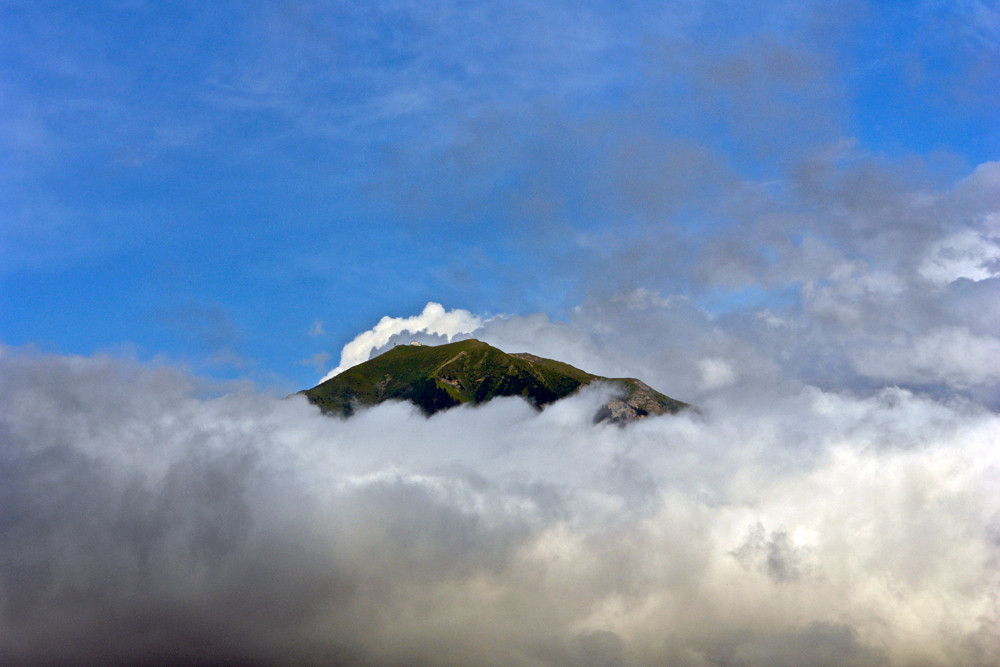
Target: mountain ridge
{"points": [[439, 377]]}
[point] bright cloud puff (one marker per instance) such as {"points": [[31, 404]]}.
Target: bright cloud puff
{"points": [[434, 320]]}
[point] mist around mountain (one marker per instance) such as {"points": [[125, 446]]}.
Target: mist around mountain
{"points": [[152, 518], [438, 377]]}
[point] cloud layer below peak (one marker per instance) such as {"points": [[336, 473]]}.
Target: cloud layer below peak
{"points": [[148, 518]]}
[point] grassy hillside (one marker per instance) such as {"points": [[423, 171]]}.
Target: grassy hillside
{"points": [[470, 371]]}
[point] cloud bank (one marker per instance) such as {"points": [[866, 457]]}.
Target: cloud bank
{"points": [[151, 518], [834, 502]]}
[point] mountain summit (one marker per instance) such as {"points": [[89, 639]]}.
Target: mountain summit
{"points": [[438, 377]]}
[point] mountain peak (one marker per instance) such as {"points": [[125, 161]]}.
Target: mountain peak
{"points": [[438, 377]]}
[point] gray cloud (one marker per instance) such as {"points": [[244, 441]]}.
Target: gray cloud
{"points": [[148, 517]]}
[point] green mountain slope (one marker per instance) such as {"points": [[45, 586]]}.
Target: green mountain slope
{"points": [[442, 376]]}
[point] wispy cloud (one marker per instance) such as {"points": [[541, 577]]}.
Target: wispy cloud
{"points": [[317, 362]]}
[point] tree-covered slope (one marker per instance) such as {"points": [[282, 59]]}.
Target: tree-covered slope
{"points": [[442, 376]]}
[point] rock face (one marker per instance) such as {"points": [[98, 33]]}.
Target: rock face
{"points": [[637, 400], [437, 377]]}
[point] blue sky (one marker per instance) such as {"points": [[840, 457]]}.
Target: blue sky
{"points": [[204, 182]]}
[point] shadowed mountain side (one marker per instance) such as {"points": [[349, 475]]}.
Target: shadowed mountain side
{"points": [[442, 376]]}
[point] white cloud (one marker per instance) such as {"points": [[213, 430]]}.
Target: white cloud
{"points": [[953, 356], [434, 320], [716, 373], [139, 513], [850, 290], [967, 254]]}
